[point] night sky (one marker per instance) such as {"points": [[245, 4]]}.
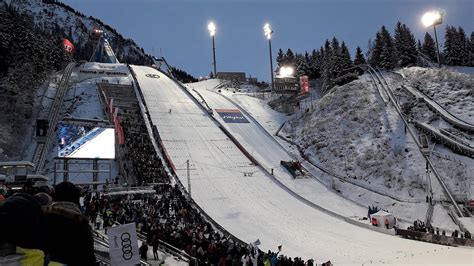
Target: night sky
{"points": [[178, 31]]}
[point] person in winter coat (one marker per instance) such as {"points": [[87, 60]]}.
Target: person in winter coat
{"points": [[155, 247], [143, 251], [22, 234]]}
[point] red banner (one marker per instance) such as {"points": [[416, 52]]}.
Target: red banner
{"points": [[68, 46], [304, 84]]}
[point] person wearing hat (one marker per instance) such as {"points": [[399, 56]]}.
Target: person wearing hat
{"points": [[22, 240], [43, 199], [66, 195], [69, 238]]}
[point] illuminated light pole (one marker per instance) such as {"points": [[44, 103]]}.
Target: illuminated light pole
{"points": [[433, 18], [212, 31], [268, 32]]}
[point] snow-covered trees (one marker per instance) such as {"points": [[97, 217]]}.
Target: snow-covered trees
{"points": [[328, 62], [383, 53], [405, 46], [429, 47], [27, 56], [456, 47], [359, 58]]}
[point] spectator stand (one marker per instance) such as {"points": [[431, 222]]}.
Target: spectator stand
{"points": [[138, 161]]}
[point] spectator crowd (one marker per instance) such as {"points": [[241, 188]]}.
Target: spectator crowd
{"points": [[169, 217]]}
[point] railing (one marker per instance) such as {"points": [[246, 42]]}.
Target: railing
{"points": [[415, 139], [54, 117]]}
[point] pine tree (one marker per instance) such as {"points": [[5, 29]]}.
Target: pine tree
{"points": [[326, 73], [471, 49], [463, 47], [345, 57], [290, 58], [280, 58], [359, 57], [429, 47], [388, 52], [405, 46], [419, 47], [315, 64], [300, 65], [336, 58], [376, 51], [451, 47]]}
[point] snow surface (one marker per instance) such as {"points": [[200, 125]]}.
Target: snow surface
{"points": [[101, 146], [269, 153], [254, 206], [271, 120]]}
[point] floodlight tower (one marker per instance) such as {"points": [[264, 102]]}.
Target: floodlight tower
{"points": [[212, 31], [433, 18], [268, 32]]}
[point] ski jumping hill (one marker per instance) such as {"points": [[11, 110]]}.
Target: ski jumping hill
{"points": [[255, 206]]}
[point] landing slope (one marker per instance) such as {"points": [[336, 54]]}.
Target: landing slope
{"points": [[254, 207]]}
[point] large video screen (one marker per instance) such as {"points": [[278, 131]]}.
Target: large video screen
{"points": [[76, 141]]}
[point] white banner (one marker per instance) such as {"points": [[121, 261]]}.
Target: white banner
{"points": [[123, 245]]}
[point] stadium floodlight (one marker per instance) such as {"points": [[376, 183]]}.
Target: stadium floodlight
{"points": [[433, 18], [212, 31], [212, 28], [286, 72], [267, 30]]}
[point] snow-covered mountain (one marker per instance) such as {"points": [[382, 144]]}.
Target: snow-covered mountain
{"points": [[53, 16]]}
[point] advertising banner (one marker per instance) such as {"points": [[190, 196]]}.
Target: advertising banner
{"points": [[232, 116], [123, 245]]}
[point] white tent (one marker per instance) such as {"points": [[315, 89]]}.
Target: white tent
{"points": [[381, 217]]}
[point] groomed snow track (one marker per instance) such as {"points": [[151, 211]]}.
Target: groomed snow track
{"points": [[445, 139], [387, 88], [254, 206], [437, 108]]}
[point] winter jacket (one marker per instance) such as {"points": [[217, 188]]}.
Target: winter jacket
{"points": [[24, 256]]}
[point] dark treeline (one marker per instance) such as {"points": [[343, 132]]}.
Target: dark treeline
{"points": [[183, 76], [332, 62]]}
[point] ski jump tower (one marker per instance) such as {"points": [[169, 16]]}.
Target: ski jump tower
{"points": [[103, 52]]}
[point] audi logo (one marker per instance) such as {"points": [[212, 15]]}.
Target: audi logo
{"points": [[155, 76], [127, 252]]}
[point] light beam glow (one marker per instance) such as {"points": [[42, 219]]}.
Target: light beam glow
{"points": [[212, 28], [268, 31], [431, 18]]}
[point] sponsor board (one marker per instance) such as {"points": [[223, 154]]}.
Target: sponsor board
{"points": [[232, 116], [123, 245]]}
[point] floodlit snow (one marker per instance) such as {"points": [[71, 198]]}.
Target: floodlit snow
{"points": [[269, 153], [254, 206]]}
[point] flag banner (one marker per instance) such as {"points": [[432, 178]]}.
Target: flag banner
{"points": [[123, 245]]}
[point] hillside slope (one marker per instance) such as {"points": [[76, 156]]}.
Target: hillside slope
{"points": [[55, 17], [353, 133]]}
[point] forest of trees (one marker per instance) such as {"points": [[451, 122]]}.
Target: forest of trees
{"points": [[182, 75], [332, 62], [27, 57]]}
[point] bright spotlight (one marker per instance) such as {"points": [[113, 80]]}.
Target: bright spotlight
{"points": [[212, 28], [268, 31], [431, 18], [286, 72]]}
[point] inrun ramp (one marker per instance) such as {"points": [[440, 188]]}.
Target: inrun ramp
{"points": [[252, 207]]}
